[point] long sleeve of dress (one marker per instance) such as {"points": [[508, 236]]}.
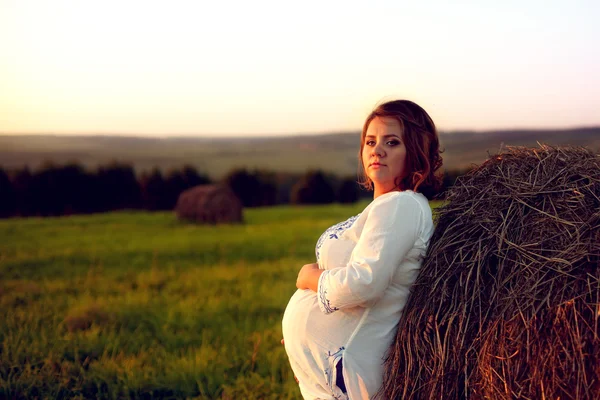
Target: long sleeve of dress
{"points": [[390, 232]]}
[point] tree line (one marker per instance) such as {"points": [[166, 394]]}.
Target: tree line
{"points": [[54, 190]]}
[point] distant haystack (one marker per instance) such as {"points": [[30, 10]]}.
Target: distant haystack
{"points": [[507, 302], [209, 204]]}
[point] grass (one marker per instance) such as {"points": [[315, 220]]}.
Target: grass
{"points": [[140, 305]]}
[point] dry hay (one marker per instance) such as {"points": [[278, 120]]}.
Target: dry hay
{"points": [[507, 303], [209, 204]]}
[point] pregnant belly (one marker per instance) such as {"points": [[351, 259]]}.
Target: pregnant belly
{"points": [[297, 314], [306, 326]]}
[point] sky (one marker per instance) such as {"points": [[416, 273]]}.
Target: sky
{"points": [[203, 68]]}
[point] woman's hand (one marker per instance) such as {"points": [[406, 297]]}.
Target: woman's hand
{"points": [[308, 277]]}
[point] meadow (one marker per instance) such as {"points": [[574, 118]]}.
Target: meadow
{"points": [[141, 305]]}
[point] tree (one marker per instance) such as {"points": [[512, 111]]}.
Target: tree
{"points": [[22, 181], [46, 190], [246, 186], [154, 191], [313, 188], [115, 187], [177, 181], [7, 195], [348, 191], [71, 182], [193, 178], [267, 193]]}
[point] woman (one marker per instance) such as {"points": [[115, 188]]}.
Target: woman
{"points": [[344, 315]]}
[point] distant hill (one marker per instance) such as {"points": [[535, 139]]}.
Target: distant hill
{"points": [[336, 153]]}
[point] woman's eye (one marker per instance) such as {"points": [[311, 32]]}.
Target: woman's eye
{"points": [[370, 143], [393, 143]]}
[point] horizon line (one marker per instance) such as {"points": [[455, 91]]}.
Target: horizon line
{"points": [[275, 135]]}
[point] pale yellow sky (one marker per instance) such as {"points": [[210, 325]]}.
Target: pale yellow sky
{"points": [[278, 67]]}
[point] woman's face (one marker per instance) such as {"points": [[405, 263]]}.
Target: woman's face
{"points": [[384, 153]]}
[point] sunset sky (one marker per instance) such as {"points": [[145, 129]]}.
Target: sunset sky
{"points": [[175, 68]]}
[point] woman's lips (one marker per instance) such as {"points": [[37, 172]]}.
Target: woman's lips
{"points": [[376, 165]]}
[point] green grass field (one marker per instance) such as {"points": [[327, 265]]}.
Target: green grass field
{"points": [[140, 305]]}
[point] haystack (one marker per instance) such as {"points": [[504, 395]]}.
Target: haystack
{"points": [[209, 204], [507, 303]]}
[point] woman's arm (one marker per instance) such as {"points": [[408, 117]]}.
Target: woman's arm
{"points": [[390, 232]]}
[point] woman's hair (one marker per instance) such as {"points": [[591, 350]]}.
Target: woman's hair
{"points": [[420, 137]]}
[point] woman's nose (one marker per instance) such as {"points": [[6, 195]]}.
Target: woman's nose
{"points": [[377, 151]]}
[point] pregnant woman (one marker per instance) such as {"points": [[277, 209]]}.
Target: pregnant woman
{"points": [[344, 315]]}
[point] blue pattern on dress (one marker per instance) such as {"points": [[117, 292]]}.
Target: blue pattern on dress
{"points": [[334, 232], [323, 297]]}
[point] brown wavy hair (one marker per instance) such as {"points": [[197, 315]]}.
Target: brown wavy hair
{"points": [[423, 159]]}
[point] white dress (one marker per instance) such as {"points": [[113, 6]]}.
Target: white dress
{"points": [[370, 262]]}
